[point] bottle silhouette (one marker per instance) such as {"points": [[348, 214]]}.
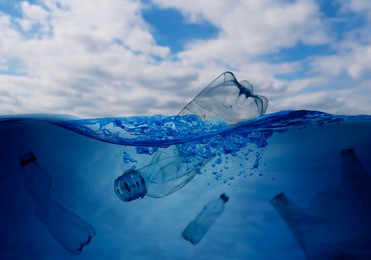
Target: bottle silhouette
{"points": [[225, 98], [198, 227], [298, 221], [71, 231], [337, 224]]}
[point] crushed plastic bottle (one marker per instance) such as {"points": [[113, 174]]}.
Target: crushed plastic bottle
{"points": [[227, 99], [198, 227], [71, 231], [224, 99]]}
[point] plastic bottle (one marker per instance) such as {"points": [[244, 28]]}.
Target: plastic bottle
{"points": [[166, 173], [225, 99], [337, 224], [71, 231], [198, 227]]}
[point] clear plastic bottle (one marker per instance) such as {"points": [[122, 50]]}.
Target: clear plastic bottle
{"points": [[165, 174], [225, 99], [198, 227], [71, 231]]}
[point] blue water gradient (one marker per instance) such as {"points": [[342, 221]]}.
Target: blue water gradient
{"points": [[292, 152]]}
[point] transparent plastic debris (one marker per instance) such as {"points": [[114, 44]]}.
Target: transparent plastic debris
{"points": [[71, 231], [224, 99], [227, 99], [198, 227], [165, 174], [337, 225]]}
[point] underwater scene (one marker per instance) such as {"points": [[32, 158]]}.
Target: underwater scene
{"points": [[220, 180]]}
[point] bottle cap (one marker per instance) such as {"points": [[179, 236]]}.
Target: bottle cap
{"points": [[224, 197], [27, 158], [130, 186]]}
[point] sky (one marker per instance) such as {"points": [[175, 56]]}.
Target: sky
{"points": [[107, 58]]}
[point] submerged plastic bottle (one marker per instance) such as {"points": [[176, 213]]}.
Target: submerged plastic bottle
{"points": [[198, 227], [225, 99], [165, 174], [337, 223], [71, 231]]}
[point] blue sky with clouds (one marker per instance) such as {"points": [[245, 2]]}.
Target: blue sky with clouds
{"points": [[130, 57]]}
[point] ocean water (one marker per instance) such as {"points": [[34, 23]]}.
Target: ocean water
{"points": [[298, 153]]}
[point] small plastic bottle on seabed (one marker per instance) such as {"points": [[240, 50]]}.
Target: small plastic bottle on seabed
{"points": [[71, 231], [198, 227]]}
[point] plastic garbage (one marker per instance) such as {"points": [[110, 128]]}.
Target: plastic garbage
{"points": [[299, 221], [71, 231], [198, 227], [227, 99], [165, 174], [337, 224], [224, 99]]}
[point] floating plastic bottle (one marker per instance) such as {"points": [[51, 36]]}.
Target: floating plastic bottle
{"points": [[198, 227], [227, 99], [71, 231], [224, 99]]}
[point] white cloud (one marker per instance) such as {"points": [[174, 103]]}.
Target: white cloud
{"points": [[358, 6], [101, 59], [88, 54], [34, 15], [250, 28]]}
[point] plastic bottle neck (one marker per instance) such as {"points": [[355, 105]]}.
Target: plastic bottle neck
{"points": [[27, 159], [224, 197], [130, 186]]}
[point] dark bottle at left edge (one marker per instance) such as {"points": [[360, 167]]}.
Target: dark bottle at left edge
{"points": [[71, 231]]}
